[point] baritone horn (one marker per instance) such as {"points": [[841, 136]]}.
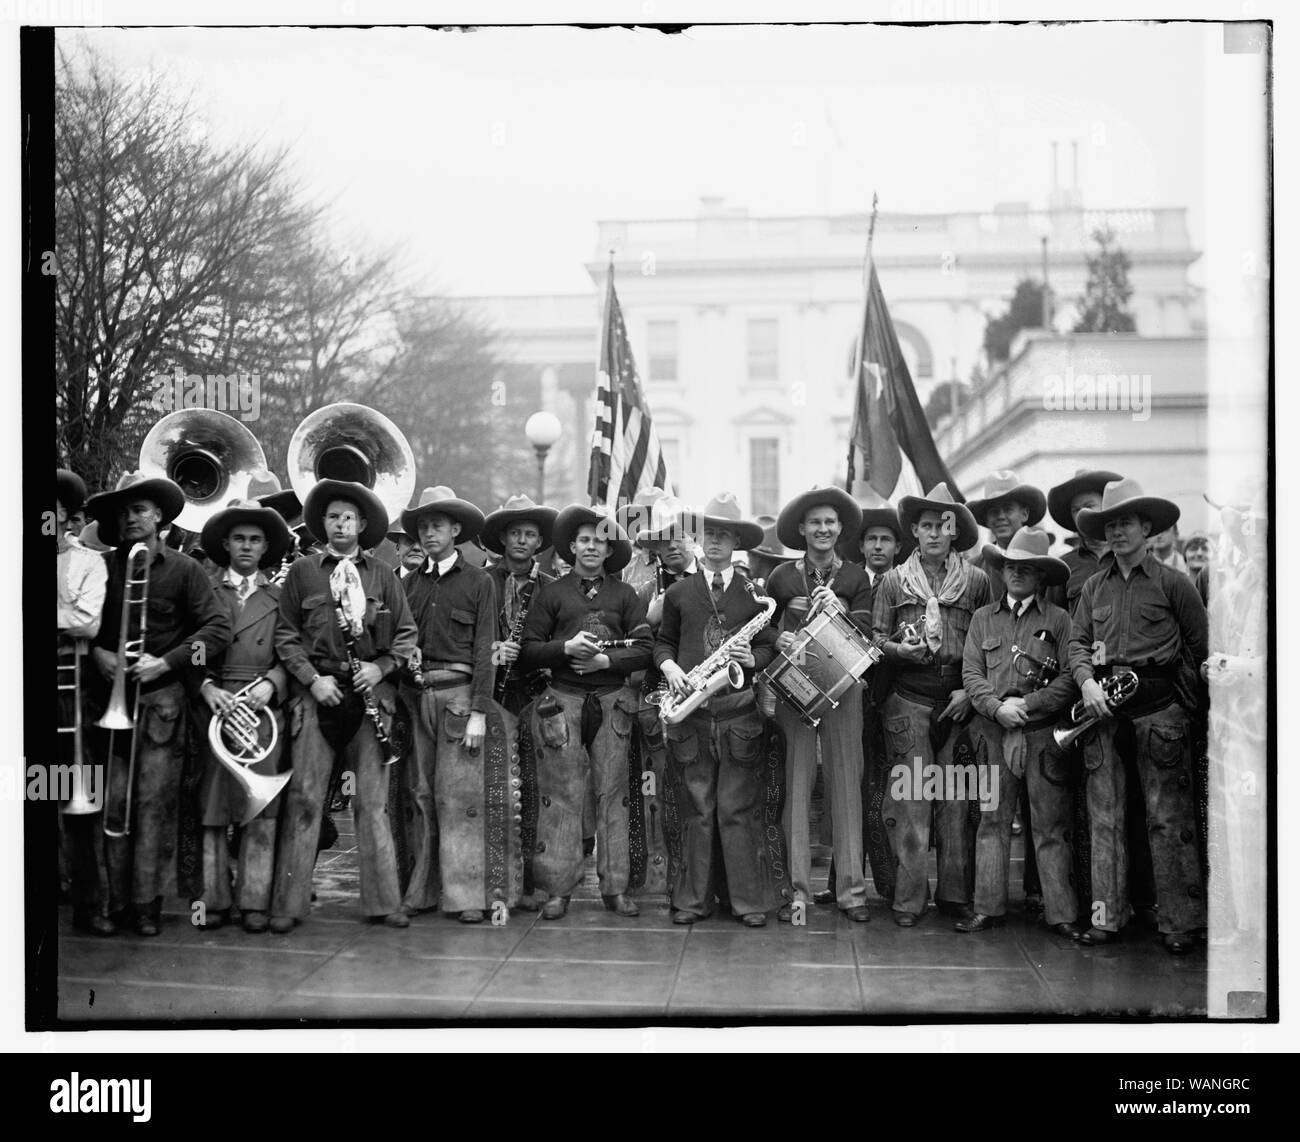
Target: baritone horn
{"points": [[211, 456], [241, 737], [1118, 688], [135, 597], [352, 442]]}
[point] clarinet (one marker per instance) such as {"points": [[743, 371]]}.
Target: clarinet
{"points": [[516, 632], [367, 696]]}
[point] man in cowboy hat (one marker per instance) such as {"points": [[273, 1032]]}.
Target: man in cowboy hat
{"points": [[582, 721], [876, 546], [814, 522], [82, 578], [935, 592], [516, 532], [1138, 616], [1018, 710], [327, 707], [1006, 506], [244, 541], [1064, 502], [465, 843], [184, 625], [1164, 546], [717, 749], [768, 555]]}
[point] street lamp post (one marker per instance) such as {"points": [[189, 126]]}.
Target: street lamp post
{"points": [[543, 429]]}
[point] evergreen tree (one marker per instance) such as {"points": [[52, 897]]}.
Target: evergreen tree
{"points": [[1104, 305]]}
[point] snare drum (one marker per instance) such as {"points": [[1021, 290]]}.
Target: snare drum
{"points": [[828, 657]]}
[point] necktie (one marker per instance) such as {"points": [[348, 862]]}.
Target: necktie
{"points": [[590, 587], [717, 588], [245, 589]]}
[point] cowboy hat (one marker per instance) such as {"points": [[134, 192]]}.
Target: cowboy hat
{"points": [[876, 512], [1029, 547], [368, 504], [89, 537], [264, 487], [517, 509], [666, 518], [792, 515], [1006, 485], [159, 490], [69, 490], [279, 539], [724, 511], [630, 516], [940, 500], [771, 547], [1124, 497], [1084, 480], [443, 501], [573, 517]]}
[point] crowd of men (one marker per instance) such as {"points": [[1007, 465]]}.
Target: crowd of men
{"points": [[519, 698]]}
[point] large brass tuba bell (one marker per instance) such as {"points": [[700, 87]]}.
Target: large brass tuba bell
{"points": [[351, 442], [211, 456]]}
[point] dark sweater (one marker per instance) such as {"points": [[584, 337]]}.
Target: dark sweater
{"points": [[688, 608]]}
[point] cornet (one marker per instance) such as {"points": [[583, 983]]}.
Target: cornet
{"points": [[1118, 688], [135, 596], [239, 742], [1037, 665]]}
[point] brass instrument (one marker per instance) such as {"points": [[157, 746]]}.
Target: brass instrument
{"points": [[516, 633], [716, 672], [351, 442], [1041, 662], [1118, 688], [914, 633], [212, 456], [239, 742], [80, 803], [135, 596]]}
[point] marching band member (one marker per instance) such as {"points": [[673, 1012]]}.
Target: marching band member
{"points": [[937, 590], [1139, 616], [1064, 502], [1016, 729], [82, 578], [244, 541], [460, 771], [582, 721], [876, 544], [328, 708], [768, 555], [184, 624], [516, 532], [814, 522], [716, 751]]}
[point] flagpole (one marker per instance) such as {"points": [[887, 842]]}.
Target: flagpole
{"points": [[861, 349]]}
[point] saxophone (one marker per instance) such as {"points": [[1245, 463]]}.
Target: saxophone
{"points": [[716, 671]]}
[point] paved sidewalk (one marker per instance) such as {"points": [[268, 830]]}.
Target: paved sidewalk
{"points": [[593, 965]]}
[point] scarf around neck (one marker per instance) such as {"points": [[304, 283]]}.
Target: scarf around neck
{"points": [[916, 589]]}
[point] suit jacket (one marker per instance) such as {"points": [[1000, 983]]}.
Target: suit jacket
{"points": [[252, 647]]}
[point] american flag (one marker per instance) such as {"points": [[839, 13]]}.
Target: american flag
{"points": [[625, 453]]}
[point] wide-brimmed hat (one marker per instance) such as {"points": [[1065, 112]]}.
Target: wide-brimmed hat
{"points": [[666, 518], [724, 511], [1124, 497], [1029, 547], [940, 500], [573, 517], [517, 509], [165, 493], [1006, 485], [69, 490], [441, 500], [88, 537], [846, 507], [876, 512], [630, 517], [264, 487], [368, 504], [772, 547], [1084, 480], [279, 539]]}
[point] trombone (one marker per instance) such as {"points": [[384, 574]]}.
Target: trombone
{"points": [[135, 596], [80, 803]]}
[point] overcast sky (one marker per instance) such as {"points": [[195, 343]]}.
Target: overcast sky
{"points": [[488, 157]]}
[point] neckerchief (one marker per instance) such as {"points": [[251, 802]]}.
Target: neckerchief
{"points": [[916, 589], [349, 595]]}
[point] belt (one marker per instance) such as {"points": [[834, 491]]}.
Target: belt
{"points": [[442, 679], [583, 691], [460, 667], [338, 667], [1146, 672], [242, 673]]}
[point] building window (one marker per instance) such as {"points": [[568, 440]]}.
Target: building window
{"points": [[762, 350], [661, 350], [764, 476], [671, 450]]}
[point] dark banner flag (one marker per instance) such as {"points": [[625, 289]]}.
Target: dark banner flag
{"points": [[889, 435], [625, 455]]}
